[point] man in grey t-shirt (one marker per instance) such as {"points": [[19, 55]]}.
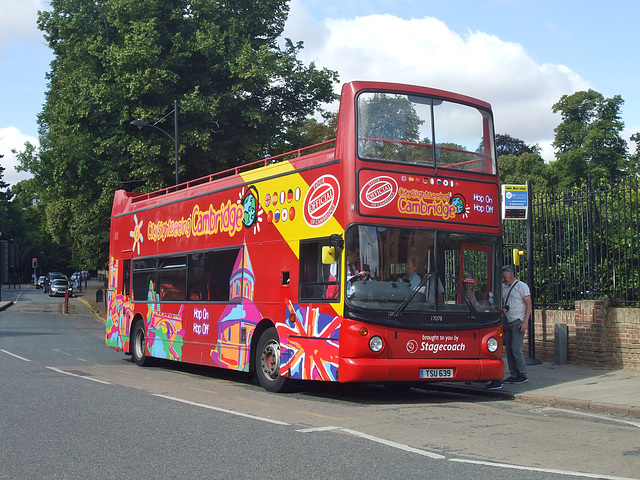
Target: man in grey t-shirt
{"points": [[517, 307]]}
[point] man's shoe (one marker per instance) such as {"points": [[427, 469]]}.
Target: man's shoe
{"points": [[495, 385], [520, 379], [511, 379]]}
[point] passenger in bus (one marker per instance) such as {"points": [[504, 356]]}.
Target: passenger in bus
{"points": [[355, 270], [414, 271], [469, 292], [415, 274]]}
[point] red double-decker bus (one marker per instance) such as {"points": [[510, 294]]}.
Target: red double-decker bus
{"points": [[374, 257]]}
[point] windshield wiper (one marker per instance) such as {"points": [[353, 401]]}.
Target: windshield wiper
{"points": [[401, 308], [472, 308]]}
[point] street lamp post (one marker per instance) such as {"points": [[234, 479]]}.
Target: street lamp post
{"points": [[142, 123]]}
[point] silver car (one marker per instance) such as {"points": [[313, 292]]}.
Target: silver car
{"points": [[59, 287]]}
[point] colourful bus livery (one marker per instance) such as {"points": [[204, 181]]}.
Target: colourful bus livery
{"points": [[374, 257]]}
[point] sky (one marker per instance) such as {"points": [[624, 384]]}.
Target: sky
{"points": [[521, 56]]}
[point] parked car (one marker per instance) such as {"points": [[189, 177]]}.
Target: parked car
{"points": [[59, 287], [40, 282], [51, 276]]}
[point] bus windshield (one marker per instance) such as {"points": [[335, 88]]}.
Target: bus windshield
{"points": [[405, 271], [399, 127]]}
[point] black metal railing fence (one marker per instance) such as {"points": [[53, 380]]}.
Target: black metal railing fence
{"points": [[586, 244]]}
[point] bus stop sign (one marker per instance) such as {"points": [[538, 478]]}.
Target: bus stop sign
{"points": [[515, 202]]}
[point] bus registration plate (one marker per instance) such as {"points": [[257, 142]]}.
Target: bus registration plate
{"points": [[436, 373]]}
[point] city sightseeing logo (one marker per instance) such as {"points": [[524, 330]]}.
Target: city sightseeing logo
{"points": [[136, 234], [252, 209]]}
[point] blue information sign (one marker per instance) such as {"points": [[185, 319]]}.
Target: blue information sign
{"points": [[515, 202]]}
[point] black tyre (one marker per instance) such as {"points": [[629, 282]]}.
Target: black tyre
{"points": [[267, 362], [138, 350]]}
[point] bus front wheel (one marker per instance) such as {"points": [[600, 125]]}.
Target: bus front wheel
{"points": [[138, 340], [267, 362]]}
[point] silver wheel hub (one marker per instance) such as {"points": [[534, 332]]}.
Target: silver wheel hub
{"points": [[270, 360]]}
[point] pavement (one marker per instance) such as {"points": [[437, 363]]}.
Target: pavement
{"points": [[615, 392]]}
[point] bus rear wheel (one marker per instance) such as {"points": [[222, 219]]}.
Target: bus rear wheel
{"points": [[267, 362], [138, 340]]}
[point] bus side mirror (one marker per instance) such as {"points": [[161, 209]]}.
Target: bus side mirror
{"points": [[328, 255]]}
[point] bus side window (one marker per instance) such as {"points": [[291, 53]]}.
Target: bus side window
{"points": [[317, 280], [126, 278], [144, 278], [219, 269], [195, 276], [172, 278]]}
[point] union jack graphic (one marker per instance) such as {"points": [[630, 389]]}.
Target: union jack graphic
{"points": [[309, 344]]}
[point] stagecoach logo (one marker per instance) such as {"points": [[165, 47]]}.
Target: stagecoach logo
{"points": [[378, 192], [412, 346], [321, 200]]}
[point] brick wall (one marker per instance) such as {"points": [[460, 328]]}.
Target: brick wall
{"points": [[600, 335]]}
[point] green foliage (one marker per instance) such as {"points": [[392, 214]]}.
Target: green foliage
{"points": [[508, 145], [4, 207], [633, 164], [517, 169], [389, 128], [241, 92], [519, 162], [588, 140], [312, 132], [586, 243], [21, 226]]}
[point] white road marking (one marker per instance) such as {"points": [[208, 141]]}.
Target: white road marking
{"points": [[318, 429], [16, 356], [592, 415], [223, 410], [78, 376], [389, 443], [382, 441], [541, 470]]}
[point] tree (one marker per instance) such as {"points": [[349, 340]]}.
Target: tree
{"points": [[5, 192], [312, 131], [5, 206], [389, 128], [30, 234], [508, 145], [517, 169], [588, 139], [634, 159], [519, 162], [240, 90]]}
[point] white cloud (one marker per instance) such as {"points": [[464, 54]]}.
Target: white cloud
{"points": [[18, 22], [424, 51], [12, 139]]}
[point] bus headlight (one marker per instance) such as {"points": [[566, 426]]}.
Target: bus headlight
{"points": [[375, 344], [492, 345]]}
